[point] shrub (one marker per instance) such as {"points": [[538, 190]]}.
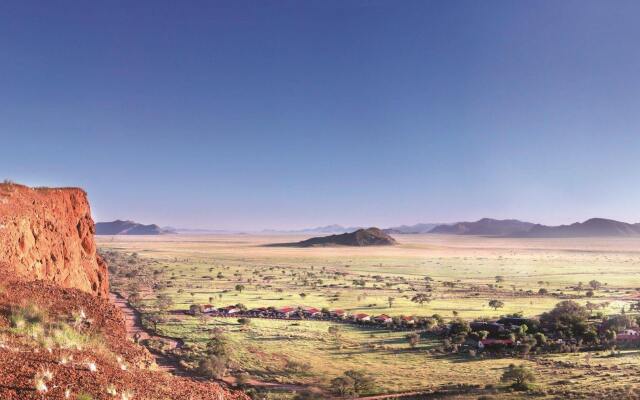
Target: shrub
{"points": [[243, 379], [342, 386], [520, 377], [362, 382], [308, 395], [213, 366], [297, 367], [413, 339], [25, 316]]}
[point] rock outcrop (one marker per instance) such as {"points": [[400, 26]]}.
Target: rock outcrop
{"points": [[47, 234], [359, 238]]}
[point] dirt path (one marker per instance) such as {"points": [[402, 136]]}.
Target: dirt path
{"points": [[133, 323]]}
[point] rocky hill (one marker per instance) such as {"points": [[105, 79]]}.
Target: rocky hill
{"points": [[119, 227], [48, 234], [361, 237], [60, 337], [486, 227]]}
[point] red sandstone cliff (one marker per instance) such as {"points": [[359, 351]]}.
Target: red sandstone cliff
{"points": [[48, 263], [47, 234]]}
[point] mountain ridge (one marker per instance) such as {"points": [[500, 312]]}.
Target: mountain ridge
{"points": [[593, 227], [121, 227]]}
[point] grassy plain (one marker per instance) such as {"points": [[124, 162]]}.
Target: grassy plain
{"points": [[207, 269]]}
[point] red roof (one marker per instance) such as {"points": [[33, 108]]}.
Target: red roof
{"points": [[383, 316], [361, 316], [286, 309], [338, 311], [312, 310], [405, 318]]}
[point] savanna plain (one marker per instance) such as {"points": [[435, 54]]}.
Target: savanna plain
{"points": [[458, 276]]}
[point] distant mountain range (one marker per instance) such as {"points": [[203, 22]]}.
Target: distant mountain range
{"points": [[119, 227], [358, 238], [411, 229], [485, 226], [590, 227], [514, 228], [334, 228]]}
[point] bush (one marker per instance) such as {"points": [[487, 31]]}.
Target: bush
{"points": [[213, 367], [362, 382], [29, 315], [520, 377], [243, 379], [342, 386], [308, 395], [297, 367], [413, 339]]}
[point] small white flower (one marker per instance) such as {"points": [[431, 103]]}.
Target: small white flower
{"points": [[126, 395], [41, 386], [111, 390], [67, 394], [91, 366], [47, 374]]}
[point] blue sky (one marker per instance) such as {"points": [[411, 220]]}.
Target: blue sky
{"points": [[283, 114]]}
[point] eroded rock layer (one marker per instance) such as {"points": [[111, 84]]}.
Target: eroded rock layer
{"points": [[47, 234]]}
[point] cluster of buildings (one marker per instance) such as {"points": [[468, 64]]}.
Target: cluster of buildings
{"points": [[292, 312], [499, 331]]}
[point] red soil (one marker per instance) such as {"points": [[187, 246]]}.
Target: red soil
{"points": [[21, 359]]}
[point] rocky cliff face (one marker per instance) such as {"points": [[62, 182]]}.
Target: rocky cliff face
{"points": [[47, 234]]}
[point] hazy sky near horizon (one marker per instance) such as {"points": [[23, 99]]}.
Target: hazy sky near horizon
{"points": [[289, 114]]}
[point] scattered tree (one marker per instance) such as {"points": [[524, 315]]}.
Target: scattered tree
{"points": [[495, 304], [421, 298]]}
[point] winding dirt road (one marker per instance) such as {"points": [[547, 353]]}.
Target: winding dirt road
{"points": [[136, 331]]}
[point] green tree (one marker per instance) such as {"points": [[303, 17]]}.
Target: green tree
{"points": [[567, 317], [239, 288]]}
